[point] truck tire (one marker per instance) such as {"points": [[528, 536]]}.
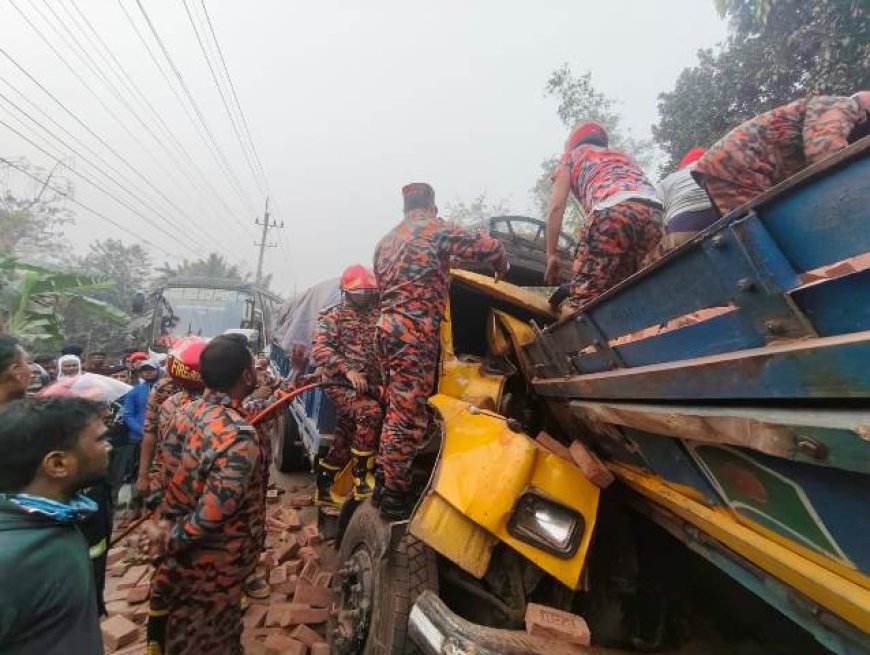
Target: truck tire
{"points": [[377, 586], [290, 455]]}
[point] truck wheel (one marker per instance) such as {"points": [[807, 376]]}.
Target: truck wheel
{"points": [[290, 456], [377, 586]]}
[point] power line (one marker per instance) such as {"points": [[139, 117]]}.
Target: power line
{"points": [[222, 97], [84, 206], [95, 69], [212, 194], [100, 170], [234, 178], [92, 183]]}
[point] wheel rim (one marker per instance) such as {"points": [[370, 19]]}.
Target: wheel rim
{"points": [[352, 613]]}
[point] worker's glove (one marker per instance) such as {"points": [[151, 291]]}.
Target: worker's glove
{"points": [[560, 295]]}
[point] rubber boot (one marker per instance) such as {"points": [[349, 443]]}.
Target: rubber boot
{"points": [[155, 632], [395, 505], [325, 476], [362, 468], [379, 488]]}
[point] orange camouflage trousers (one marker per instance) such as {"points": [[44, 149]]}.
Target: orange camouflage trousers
{"points": [[612, 247], [358, 424], [408, 370]]}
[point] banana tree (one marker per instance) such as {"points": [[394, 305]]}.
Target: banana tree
{"points": [[32, 299]]}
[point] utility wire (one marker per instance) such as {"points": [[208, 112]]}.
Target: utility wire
{"points": [[223, 97], [90, 181], [211, 194], [229, 170], [102, 171], [91, 64], [84, 206]]}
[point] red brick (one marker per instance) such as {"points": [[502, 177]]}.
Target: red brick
{"points": [[277, 576], [272, 496], [138, 594], [320, 648], [253, 647], [133, 576], [306, 614], [255, 615], [309, 571], [138, 614], [306, 635], [323, 579], [294, 566], [291, 519], [116, 556], [312, 535], [117, 570], [309, 594], [543, 621], [287, 588], [276, 644], [300, 500], [286, 550], [117, 594], [593, 468], [278, 615], [308, 553], [118, 632], [267, 559], [135, 649], [554, 446]]}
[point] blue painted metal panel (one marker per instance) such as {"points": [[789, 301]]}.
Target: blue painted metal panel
{"points": [[826, 221], [838, 306], [724, 333]]}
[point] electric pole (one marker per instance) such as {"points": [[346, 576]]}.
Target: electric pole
{"points": [[263, 243]]}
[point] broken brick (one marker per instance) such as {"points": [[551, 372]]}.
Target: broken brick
{"points": [[306, 635], [300, 500], [272, 496], [255, 615], [308, 553], [133, 576], [323, 579], [287, 588], [310, 594], [320, 648], [309, 571], [306, 614], [312, 535], [253, 647], [286, 550], [554, 446], [294, 566], [277, 576], [277, 644], [138, 594], [591, 466], [267, 559], [138, 614], [543, 621], [118, 632], [117, 594], [117, 570], [116, 556]]}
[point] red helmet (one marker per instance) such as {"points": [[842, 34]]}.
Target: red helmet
{"points": [[691, 157], [182, 362], [137, 356], [358, 278], [588, 132]]}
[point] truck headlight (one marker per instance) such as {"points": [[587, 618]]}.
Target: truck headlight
{"points": [[545, 524]]}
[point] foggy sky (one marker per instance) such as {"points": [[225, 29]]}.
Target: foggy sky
{"points": [[346, 101]]}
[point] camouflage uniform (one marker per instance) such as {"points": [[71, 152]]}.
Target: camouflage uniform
{"points": [[775, 145], [167, 447], [411, 265], [214, 503], [623, 212], [345, 341], [160, 392]]}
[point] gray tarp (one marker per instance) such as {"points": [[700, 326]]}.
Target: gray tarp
{"points": [[297, 318]]}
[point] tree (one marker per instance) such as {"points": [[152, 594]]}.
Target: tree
{"points": [[476, 211], [776, 51], [579, 100], [33, 299], [33, 214], [213, 265]]}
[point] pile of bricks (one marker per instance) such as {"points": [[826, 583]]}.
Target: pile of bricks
{"points": [[297, 563]]}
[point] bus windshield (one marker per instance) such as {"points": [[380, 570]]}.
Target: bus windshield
{"points": [[201, 311]]}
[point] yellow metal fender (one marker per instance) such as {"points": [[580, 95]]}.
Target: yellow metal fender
{"points": [[483, 469]]}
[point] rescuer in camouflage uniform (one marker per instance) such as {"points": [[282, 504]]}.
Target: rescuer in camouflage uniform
{"points": [[622, 209], [211, 530], [162, 390], [411, 265], [775, 145], [344, 349]]}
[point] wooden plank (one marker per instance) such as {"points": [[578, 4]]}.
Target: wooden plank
{"points": [[837, 306], [823, 368], [827, 437]]}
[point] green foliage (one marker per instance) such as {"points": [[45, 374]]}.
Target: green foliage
{"points": [[777, 50], [34, 298], [213, 265], [476, 211]]}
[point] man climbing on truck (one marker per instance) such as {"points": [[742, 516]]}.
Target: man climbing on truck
{"points": [[767, 149], [344, 349], [411, 266], [622, 209]]}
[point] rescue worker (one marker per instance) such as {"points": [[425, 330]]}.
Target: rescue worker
{"points": [[344, 349], [687, 207], [160, 392], [622, 209], [411, 267], [209, 534], [767, 149]]}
